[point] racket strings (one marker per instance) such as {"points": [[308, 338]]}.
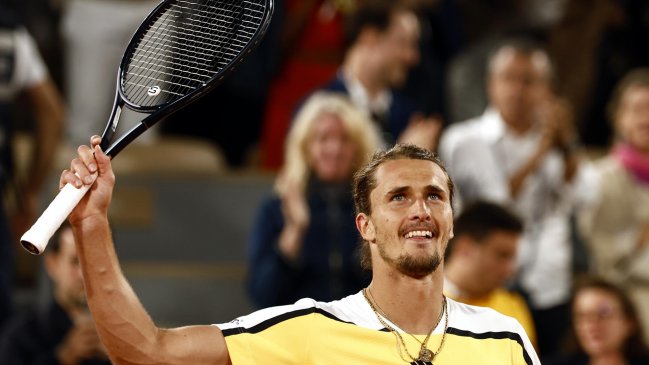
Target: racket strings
{"points": [[186, 45], [178, 29]]}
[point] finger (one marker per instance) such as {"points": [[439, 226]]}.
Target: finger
{"points": [[68, 177], [95, 140], [86, 155], [103, 162], [81, 169]]}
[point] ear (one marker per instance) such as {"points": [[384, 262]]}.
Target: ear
{"points": [[49, 262], [365, 227], [463, 245], [368, 35]]}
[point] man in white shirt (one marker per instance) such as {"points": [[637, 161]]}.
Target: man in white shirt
{"points": [[520, 152]]}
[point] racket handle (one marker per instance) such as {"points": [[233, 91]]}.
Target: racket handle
{"points": [[36, 238]]}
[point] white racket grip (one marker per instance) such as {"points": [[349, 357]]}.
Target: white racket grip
{"points": [[36, 238]]}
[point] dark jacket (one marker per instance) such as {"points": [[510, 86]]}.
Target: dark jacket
{"points": [[328, 267], [32, 339]]}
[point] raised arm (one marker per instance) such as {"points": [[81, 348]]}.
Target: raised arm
{"points": [[125, 328]]}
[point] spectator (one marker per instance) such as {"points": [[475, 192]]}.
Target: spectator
{"points": [[304, 240], [383, 45], [481, 260], [616, 225], [63, 333], [605, 328], [24, 80], [521, 153], [309, 51], [95, 34]]}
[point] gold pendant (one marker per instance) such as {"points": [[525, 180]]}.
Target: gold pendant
{"points": [[425, 355]]}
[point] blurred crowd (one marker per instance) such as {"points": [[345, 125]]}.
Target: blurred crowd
{"points": [[538, 108]]}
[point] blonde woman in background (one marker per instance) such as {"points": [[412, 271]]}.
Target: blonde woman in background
{"points": [[616, 226], [304, 242]]}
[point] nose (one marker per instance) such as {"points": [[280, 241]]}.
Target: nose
{"points": [[412, 55], [334, 145], [420, 210], [509, 269]]}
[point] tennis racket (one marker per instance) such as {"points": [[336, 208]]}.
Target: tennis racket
{"points": [[181, 51]]}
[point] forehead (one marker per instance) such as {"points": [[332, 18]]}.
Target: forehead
{"points": [[594, 297], [403, 21], [501, 239], [509, 59], [638, 93], [409, 173], [327, 121]]}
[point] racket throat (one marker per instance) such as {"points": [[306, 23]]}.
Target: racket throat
{"points": [[111, 127]]}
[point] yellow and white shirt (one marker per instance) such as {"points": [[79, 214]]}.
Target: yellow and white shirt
{"points": [[347, 332]]}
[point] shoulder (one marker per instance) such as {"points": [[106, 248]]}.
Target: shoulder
{"points": [[347, 310], [611, 174], [458, 132], [607, 163], [335, 84], [473, 319]]}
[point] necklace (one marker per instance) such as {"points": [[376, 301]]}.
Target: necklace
{"points": [[425, 354]]}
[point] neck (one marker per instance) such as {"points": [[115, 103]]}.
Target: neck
{"points": [[517, 125], [458, 274], [355, 67], [412, 304], [610, 358], [639, 149]]}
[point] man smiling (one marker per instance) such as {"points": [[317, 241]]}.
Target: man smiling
{"points": [[403, 199]]}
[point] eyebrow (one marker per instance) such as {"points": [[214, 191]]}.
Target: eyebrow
{"points": [[397, 190], [428, 188]]}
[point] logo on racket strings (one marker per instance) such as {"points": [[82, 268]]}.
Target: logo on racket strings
{"points": [[154, 90]]}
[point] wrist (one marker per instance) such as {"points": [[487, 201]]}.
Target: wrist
{"points": [[290, 243]]}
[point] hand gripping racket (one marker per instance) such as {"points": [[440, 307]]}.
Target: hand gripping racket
{"points": [[182, 50]]}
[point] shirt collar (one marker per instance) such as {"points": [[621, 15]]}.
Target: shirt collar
{"points": [[358, 94], [492, 125]]}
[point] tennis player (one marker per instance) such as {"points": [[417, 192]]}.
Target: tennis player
{"points": [[403, 198]]}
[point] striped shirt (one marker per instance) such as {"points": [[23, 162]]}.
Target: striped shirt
{"points": [[347, 331]]}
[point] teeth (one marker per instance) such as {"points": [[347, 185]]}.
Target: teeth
{"points": [[426, 234]]}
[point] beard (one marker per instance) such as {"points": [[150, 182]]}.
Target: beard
{"points": [[416, 267]]}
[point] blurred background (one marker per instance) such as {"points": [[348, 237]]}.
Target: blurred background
{"points": [[186, 198]]}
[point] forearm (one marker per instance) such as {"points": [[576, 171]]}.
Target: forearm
{"points": [[290, 242], [123, 324], [49, 115], [517, 180]]}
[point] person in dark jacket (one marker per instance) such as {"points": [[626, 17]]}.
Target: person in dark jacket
{"points": [[304, 240], [63, 333]]}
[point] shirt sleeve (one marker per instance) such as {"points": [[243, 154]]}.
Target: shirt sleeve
{"points": [[275, 335], [30, 67]]}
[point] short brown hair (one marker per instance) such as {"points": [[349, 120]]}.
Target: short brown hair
{"points": [[364, 182], [638, 77]]}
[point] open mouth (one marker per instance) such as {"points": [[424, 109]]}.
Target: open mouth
{"points": [[416, 234]]}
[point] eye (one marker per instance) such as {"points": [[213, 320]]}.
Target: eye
{"points": [[434, 196], [398, 197]]}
